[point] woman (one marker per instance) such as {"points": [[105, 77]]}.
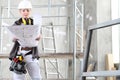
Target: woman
{"points": [[30, 54]]}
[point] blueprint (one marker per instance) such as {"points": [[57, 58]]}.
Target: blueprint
{"points": [[26, 34]]}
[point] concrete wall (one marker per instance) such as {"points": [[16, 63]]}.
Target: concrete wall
{"points": [[90, 18], [98, 11], [104, 36]]}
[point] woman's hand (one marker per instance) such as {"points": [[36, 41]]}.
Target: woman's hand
{"points": [[15, 39], [38, 38]]}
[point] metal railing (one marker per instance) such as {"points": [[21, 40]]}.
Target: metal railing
{"points": [[87, 50]]}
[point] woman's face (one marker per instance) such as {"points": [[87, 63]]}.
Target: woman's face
{"points": [[25, 13]]}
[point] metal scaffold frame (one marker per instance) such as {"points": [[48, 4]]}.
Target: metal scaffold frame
{"points": [[74, 38], [77, 34]]}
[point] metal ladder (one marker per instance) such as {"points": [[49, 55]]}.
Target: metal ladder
{"points": [[48, 46]]}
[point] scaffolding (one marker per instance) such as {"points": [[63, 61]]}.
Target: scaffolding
{"points": [[77, 15]]}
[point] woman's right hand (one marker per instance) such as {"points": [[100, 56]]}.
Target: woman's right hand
{"points": [[15, 39]]}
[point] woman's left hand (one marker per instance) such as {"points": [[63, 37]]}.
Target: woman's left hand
{"points": [[38, 38]]}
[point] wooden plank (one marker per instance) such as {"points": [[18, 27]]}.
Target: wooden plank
{"points": [[110, 65], [51, 55]]}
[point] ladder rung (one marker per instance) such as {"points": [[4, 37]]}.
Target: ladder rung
{"points": [[50, 73], [48, 38], [53, 61], [48, 27], [49, 49]]}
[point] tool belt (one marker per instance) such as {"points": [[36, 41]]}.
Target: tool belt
{"points": [[18, 65], [26, 48]]}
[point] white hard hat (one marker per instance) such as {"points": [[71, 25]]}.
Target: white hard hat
{"points": [[25, 4]]}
